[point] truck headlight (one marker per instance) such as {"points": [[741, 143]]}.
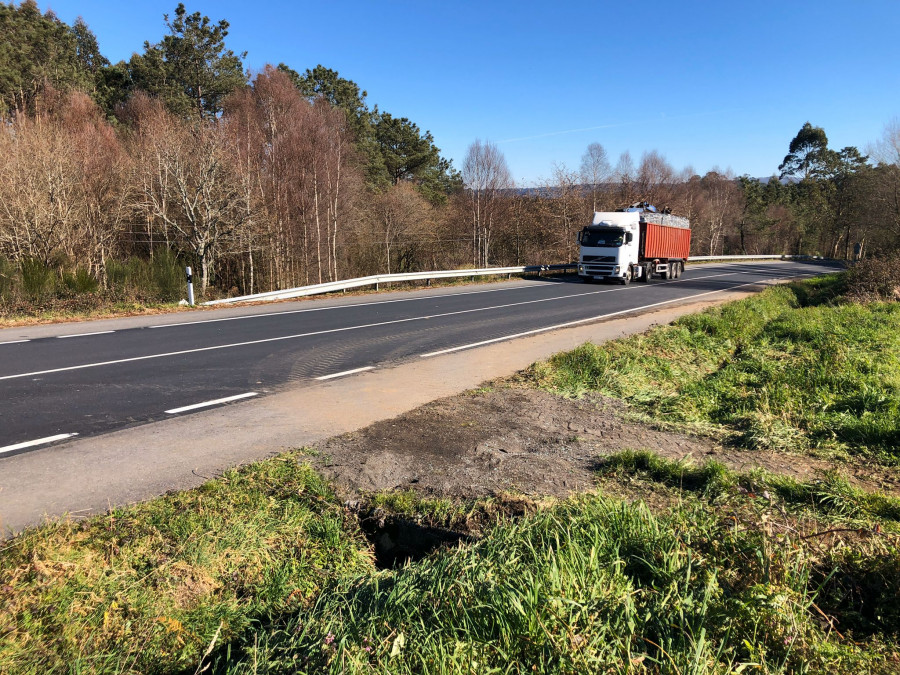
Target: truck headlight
{"points": [[616, 270]]}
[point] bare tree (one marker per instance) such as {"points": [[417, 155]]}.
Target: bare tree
{"points": [[568, 211], [624, 174], [403, 216], [595, 171], [189, 185], [655, 179], [486, 177]]}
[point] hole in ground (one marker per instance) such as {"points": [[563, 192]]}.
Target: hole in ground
{"points": [[399, 540]]}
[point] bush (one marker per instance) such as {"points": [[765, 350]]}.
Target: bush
{"points": [[157, 279], [7, 279], [875, 279], [38, 278], [168, 277], [82, 282]]}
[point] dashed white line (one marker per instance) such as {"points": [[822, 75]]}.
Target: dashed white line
{"points": [[38, 441], [575, 323], [14, 342], [346, 372], [99, 332], [206, 404]]}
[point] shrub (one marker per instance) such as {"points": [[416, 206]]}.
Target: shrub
{"points": [[38, 278], [875, 279]]}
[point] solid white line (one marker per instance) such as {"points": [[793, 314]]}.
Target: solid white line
{"points": [[347, 306], [14, 342], [346, 372], [575, 323], [390, 302], [99, 332], [39, 441], [205, 404], [349, 328]]}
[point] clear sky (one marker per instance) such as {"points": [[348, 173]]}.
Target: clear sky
{"points": [[706, 84]]}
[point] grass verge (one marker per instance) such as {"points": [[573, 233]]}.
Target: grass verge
{"points": [[796, 367], [145, 589], [596, 584]]}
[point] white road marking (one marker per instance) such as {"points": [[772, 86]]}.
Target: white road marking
{"points": [[347, 306], [386, 302], [39, 441], [374, 325], [346, 372], [206, 404], [574, 323], [14, 342], [99, 332]]}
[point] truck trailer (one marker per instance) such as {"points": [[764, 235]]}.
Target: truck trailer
{"points": [[636, 243]]}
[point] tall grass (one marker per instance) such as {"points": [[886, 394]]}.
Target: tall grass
{"points": [[592, 585], [795, 367], [145, 589]]}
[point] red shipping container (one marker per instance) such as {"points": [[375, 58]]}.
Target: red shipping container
{"points": [[664, 242]]}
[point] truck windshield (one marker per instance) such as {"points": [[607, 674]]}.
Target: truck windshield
{"points": [[606, 236]]}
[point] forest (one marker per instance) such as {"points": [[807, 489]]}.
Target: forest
{"points": [[115, 175]]}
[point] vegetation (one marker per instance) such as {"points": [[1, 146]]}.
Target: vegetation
{"points": [[292, 178], [145, 589], [263, 571], [599, 585], [797, 367]]}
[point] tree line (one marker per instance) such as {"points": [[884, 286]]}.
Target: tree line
{"points": [[289, 178]]}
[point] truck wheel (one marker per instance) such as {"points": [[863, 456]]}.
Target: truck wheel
{"points": [[668, 274], [627, 278], [645, 273], [676, 270]]}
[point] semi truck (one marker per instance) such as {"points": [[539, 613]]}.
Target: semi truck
{"points": [[635, 243]]}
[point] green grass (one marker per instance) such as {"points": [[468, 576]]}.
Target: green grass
{"points": [[600, 585], [464, 515], [146, 588], [265, 565], [794, 368], [829, 496]]}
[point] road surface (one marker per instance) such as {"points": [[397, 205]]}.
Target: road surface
{"points": [[91, 378]]}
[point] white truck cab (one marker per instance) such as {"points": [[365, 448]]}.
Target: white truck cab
{"points": [[610, 247]]}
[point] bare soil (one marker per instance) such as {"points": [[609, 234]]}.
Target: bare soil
{"points": [[512, 439]]}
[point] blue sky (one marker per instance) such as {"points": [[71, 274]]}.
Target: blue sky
{"points": [[706, 84]]}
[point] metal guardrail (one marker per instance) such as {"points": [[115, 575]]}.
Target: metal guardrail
{"points": [[376, 280], [756, 257]]}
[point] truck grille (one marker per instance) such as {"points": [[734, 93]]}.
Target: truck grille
{"points": [[599, 259]]}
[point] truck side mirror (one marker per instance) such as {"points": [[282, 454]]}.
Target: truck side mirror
{"points": [[629, 237]]}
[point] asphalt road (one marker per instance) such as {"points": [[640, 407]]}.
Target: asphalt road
{"points": [[90, 378]]}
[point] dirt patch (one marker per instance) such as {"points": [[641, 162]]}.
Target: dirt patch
{"points": [[515, 439]]}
